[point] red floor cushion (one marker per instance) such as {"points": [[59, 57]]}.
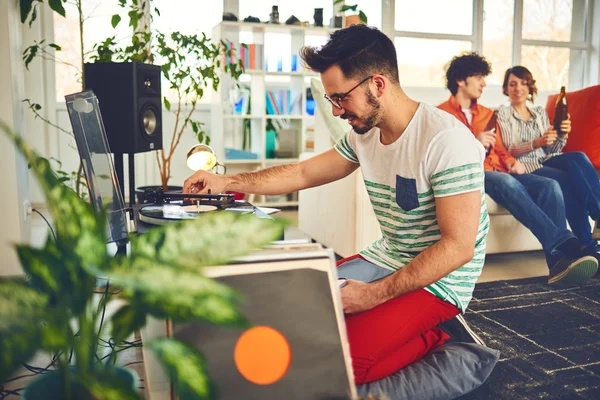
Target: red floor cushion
{"points": [[584, 107]]}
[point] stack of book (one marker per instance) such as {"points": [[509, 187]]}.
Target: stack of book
{"points": [[284, 102]]}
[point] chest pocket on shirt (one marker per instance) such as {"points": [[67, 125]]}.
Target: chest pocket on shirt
{"points": [[406, 193]]}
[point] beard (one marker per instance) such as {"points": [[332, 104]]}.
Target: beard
{"points": [[369, 121]]}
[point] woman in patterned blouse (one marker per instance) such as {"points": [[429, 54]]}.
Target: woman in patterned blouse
{"points": [[529, 137]]}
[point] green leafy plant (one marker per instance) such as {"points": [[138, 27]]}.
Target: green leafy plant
{"points": [[47, 51], [190, 63], [53, 308], [353, 8]]}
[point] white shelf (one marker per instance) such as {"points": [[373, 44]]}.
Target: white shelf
{"points": [[277, 28], [278, 116], [228, 129], [239, 116]]}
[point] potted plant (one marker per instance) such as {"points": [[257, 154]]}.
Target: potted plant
{"points": [[351, 19], [191, 64], [53, 309]]}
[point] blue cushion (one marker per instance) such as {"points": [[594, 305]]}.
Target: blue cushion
{"points": [[447, 372]]}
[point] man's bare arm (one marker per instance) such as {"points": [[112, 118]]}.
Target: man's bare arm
{"points": [[318, 170], [458, 218]]}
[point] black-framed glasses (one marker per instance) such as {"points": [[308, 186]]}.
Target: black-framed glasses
{"points": [[336, 100]]}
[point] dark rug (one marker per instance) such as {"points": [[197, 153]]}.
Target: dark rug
{"points": [[549, 339]]}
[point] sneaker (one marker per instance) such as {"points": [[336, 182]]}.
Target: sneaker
{"points": [[573, 271]]}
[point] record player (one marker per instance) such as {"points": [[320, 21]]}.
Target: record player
{"points": [[163, 207], [106, 181]]}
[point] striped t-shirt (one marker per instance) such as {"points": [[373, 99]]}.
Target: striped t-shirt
{"points": [[518, 135], [436, 156]]}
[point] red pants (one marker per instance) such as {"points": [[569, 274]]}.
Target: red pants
{"points": [[396, 333]]}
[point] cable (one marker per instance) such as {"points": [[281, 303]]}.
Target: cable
{"points": [[47, 223]]}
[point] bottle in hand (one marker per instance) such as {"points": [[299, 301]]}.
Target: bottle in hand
{"points": [[561, 111], [491, 126]]}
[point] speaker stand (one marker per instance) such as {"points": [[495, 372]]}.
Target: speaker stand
{"points": [[131, 159], [121, 178]]}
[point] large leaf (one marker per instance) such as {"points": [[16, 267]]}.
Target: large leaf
{"points": [[210, 308], [76, 222], [44, 267], [125, 321], [57, 6], [186, 367], [20, 335], [179, 293], [17, 345], [19, 303], [53, 270], [108, 385], [25, 7], [211, 239]]}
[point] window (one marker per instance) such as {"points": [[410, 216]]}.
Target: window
{"points": [[498, 28], [96, 27], [553, 42], [428, 68], [553, 67], [551, 38], [450, 17], [426, 41], [185, 16], [188, 17], [558, 20], [372, 10]]}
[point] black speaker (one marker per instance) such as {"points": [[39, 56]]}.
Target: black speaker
{"points": [[130, 102]]}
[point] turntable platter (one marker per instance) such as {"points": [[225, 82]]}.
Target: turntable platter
{"points": [[198, 208], [165, 213]]}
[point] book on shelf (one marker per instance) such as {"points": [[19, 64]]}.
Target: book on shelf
{"points": [[251, 55], [283, 102]]}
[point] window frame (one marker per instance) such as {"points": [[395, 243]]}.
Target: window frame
{"points": [[476, 38]]}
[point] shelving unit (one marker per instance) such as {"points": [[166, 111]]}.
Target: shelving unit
{"points": [[237, 135]]}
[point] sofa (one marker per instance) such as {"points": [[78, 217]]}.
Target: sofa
{"points": [[339, 215]]}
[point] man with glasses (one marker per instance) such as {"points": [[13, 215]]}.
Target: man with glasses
{"points": [[423, 171]]}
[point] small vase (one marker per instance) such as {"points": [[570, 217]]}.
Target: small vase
{"points": [[318, 16], [353, 20]]}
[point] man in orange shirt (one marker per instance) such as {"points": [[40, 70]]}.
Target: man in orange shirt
{"points": [[535, 201]]}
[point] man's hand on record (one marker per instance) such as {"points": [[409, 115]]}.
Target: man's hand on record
{"points": [[202, 182], [358, 296]]}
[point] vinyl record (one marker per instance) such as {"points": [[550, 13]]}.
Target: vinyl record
{"points": [[165, 213]]}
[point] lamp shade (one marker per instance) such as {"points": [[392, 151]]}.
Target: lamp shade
{"points": [[201, 157]]}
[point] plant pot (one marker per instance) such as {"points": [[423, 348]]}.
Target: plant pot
{"points": [[353, 20], [140, 192], [49, 386]]}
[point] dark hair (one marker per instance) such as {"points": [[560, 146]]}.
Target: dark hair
{"points": [[521, 73], [463, 66], [358, 50]]}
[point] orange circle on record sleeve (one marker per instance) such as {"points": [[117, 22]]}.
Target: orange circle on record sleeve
{"points": [[262, 355]]}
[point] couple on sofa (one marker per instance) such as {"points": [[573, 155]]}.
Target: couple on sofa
{"points": [[424, 173], [525, 171]]}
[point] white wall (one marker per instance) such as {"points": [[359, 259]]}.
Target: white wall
{"points": [[13, 175]]}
